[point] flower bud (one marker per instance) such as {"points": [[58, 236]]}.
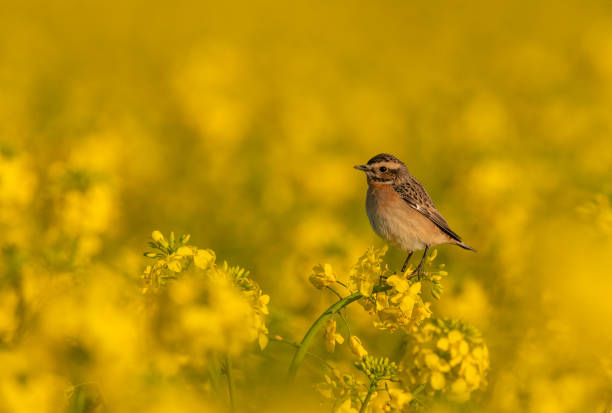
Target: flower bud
{"points": [[357, 347], [331, 337], [157, 236]]}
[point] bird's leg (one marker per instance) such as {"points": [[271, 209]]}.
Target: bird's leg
{"points": [[418, 269], [384, 277], [406, 262]]}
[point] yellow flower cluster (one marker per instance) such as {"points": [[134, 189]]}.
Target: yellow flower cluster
{"points": [[207, 306], [368, 271], [84, 207], [348, 393], [341, 387], [173, 257], [399, 302], [17, 189], [448, 356], [400, 307]]}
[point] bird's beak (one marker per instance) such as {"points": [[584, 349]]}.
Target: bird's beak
{"points": [[361, 167]]}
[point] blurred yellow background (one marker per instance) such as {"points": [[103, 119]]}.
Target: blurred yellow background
{"points": [[239, 123]]}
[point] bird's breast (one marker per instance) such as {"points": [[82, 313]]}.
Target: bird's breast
{"points": [[395, 221]]}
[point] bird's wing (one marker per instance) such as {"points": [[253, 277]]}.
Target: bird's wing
{"points": [[417, 197]]}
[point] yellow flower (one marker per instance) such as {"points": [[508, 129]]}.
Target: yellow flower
{"points": [[368, 270], [9, 302], [437, 380], [262, 341], [345, 407], [399, 398], [454, 336], [174, 264], [443, 344], [264, 300], [322, 276], [432, 256], [185, 251], [460, 391], [204, 258], [338, 386], [331, 337], [402, 306], [448, 356], [357, 348]]}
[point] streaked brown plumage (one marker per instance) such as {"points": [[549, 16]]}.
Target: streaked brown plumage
{"points": [[401, 211]]}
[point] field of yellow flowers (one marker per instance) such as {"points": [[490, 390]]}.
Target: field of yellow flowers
{"points": [[182, 229]]}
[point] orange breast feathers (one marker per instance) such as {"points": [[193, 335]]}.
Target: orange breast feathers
{"points": [[385, 196]]}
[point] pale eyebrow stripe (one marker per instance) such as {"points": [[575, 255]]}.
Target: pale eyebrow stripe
{"points": [[388, 165]]}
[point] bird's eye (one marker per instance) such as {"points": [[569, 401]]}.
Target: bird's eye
{"points": [[383, 169]]}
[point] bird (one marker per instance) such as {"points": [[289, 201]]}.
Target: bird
{"points": [[401, 211]]}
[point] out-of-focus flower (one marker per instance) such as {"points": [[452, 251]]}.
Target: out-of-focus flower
{"points": [[598, 211], [18, 180], [28, 382], [399, 398], [209, 308], [448, 356], [9, 319], [331, 337], [346, 407], [204, 258], [322, 276]]}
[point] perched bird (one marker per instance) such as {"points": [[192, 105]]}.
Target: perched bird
{"points": [[401, 211]]}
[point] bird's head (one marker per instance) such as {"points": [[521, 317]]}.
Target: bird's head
{"points": [[383, 169]]}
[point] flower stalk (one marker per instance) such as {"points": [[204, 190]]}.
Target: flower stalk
{"points": [[319, 323], [364, 405], [230, 383]]}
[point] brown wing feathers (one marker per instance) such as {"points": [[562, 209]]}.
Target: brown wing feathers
{"points": [[415, 195]]}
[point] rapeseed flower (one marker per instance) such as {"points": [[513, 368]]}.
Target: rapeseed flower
{"points": [[331, 337], [207, 306], [400, 307], [322, 276], [448, 356], [368, 270], [357, 348]]}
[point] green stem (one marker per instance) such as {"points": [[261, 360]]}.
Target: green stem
{"points": [[305, 343], [310, 334], [337, 294], [367, 398], [296, 345], [230, 383]]}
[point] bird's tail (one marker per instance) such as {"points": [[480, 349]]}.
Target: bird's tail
{"points": [[464, 246]]}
